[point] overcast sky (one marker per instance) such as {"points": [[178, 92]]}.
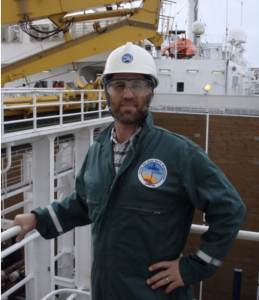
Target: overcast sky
{"points": [[214, 14]]}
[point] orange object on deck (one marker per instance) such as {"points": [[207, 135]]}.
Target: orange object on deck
{"points": [[185, 48]]}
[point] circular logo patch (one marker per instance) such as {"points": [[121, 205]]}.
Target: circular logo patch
{"points": [[127, 58], [152, 173]]}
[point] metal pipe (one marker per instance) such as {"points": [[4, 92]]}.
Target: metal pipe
{"points": [[16, 287], [6, 235], [62, 291], [207, 132], [12, 268], [242, 234], [19, 245], [175, 43], [71, 297], [15, 207], [59, 255], [9, 233], [9, 158], [65, 282]]}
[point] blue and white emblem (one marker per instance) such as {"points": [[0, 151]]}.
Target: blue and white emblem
{"points": [[127, 58], [152, 173]]}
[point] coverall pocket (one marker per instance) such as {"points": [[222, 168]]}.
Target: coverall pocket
{"points": [[141, 235]]}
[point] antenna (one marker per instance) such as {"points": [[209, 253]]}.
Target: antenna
{"points": [[226, 23], [241, 18]]}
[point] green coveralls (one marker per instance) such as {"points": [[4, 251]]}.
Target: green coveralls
{"points": [[143, 215]]}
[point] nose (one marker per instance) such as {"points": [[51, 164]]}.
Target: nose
{"points": [[128, 92]]}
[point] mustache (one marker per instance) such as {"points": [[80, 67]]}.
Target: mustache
{"points": [[128, 101]]}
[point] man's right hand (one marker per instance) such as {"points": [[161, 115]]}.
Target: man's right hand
{"points": [[27, 223]]}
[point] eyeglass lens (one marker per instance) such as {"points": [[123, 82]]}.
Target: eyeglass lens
{"points": [[137, 86]]}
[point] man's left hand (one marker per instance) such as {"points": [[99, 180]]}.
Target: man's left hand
{"points": [[169, 276]]}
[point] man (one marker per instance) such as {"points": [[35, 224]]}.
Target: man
{"points": [[139, 185]]}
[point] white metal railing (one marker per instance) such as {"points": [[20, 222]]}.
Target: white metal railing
{"points": [[248, 112], [242, 234], [195, 228], [11, 232], [31, 109], [62, 291], [21, 283]]}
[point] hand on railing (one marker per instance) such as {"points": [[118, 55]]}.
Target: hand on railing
{"points": [[9, 233], [27, 222]]}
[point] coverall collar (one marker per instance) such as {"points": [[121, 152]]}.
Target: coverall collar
{"points": [[105, 135]]}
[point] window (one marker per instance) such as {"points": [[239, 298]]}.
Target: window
{"points": [[180, 86], [58, 84], [41, 84], [4, 34], [15, 34]]}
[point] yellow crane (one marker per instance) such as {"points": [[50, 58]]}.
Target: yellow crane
{"points": [[133, 25]]}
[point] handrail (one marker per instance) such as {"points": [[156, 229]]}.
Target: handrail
{"points": [[9, 233], [62, 291], [199, 229], [242, 234], [60, 103], [16, 287], [252, 112], [19, 245]]}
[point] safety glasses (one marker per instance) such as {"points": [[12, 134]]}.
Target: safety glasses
{"points": [[139, 87]]}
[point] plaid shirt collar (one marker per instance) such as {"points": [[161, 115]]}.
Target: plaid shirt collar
{"points": [[120, 150], [129, 141]]}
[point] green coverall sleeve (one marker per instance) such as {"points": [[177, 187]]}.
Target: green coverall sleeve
{"points": [[68, 214], [211, 192]]}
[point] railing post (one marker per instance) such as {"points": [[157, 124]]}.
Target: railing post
{"points": [[237, 284], [82, 106], [39, 256], [100, 104], [34, 115], [2, 114], [83, 259], [61, 109]]}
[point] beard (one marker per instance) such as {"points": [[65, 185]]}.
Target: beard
{"points": [[129, 116]]}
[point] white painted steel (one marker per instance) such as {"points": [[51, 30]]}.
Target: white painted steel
{"points": [[40, 255], [65, 282], [15, 287], [207, 133], [242, 234], [199, 229], [6, 235], [83, 238], [220, 104], [14, 207], [64, 159], [9, 159], [63, 291], [17, 246], [35, 105]]}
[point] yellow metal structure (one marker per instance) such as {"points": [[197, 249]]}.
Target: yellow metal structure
{"points": [[14, 10], [140, 24]]}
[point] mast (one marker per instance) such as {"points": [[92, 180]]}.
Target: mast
{"points": [[193, 16]]}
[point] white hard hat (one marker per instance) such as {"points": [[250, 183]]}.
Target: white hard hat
{"points": [[130, 59]]}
